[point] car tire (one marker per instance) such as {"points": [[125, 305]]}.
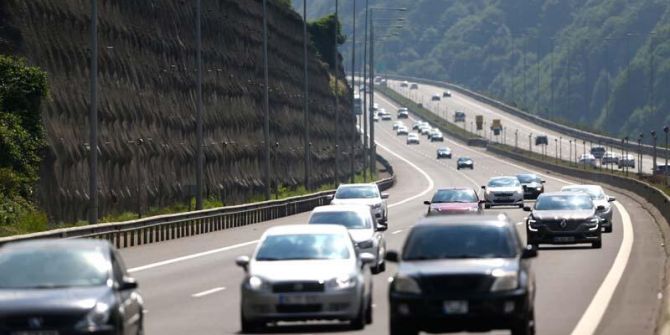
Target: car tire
{"points": [[368, 310], [249, 326], [597, 244], [398, 328], [458, 168], [358, 323], [487, 206], [521, 206], [525, 326]]}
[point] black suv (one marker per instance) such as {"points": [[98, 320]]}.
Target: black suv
{"points": [[564, 218], [463, 273]]}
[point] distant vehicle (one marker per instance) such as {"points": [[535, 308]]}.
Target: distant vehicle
{"points": [[296, 267], [626, 161], [662, 170], [435, 97], [503, 191], [541, 140], [386, 117], [375, 107], [532, 185], [416, 125], [454, 200], [599, 198], [598, 151], [444, 153], [403, 115], [463, 273], [610, 158], [402, 130], [375, 118], [588, 159], [446, 94], [363, 194], [402, 109], [362, 226], [465, 163], [425, 130], [564, 218], [67, 286], [414, 86], [459, 117], [404, 84], [413, 138], [397, 124], [436, 136], [358, 105], [362, 88]]}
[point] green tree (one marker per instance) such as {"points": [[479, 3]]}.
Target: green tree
{"points": [[322, 34]]}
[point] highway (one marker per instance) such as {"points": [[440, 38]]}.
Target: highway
{"points": [[471, 108], [191, 285]]}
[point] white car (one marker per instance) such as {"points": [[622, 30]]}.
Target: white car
{"points": [[402, 130], [375, 118], [296, 266], [600, 198], [425, 130], [503, 191], [436, 136], [610, 158], [436, 97], [386, 117], [413, 138], [363, 228], [363, 194], [626, 161], [588, 159], [397, 124]]}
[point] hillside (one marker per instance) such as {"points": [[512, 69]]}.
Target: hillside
{"points": [[585, 63], [147, 82]]}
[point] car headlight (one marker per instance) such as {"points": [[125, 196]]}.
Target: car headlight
{"points": [[593, 222], [504, 280], [96, 318], [255, 283], [366, 244], [342, 282], [377, 205], [404, 284]]}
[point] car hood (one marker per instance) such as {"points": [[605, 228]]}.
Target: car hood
{"points": [[457, 266], [503, 189], [467, 161], [360, 235], [368, 202], [48, 300], [301, 270], [454, 206], [562, 214], [532, 184]]}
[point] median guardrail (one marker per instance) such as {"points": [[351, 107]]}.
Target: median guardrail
{"points": [[173, 226]]}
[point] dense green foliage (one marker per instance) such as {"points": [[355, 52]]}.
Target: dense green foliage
{"points": [[322, 34], [601, 64], [22, 141]]}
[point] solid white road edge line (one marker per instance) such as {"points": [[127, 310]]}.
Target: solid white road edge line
{"points": [[240, 245], [208, 292], [595, 311]]}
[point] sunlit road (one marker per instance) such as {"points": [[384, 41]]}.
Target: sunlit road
{"points": [[191, 285]]}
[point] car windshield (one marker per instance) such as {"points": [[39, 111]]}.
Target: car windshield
{"points": [[564, 202], [351, 220], [454, 196], [594, 192], [504, 182], [459, 241], [304, 247], [357, 192], [53, 267], [528, 178], [464, 159]]}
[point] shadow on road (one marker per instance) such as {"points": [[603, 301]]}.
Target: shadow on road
{"points": [[307, 328]]}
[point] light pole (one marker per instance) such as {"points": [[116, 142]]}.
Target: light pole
{"points": [[556, 142], [199, 113], [560, 147], [353, 68], [627, 139], [266, 104], [665, 168], [570, 152], [639, 149], [530, 142], [584, 152], [93, 119], [653, 140], [623, 154], [516, 138], [365, 95], [337, 93], [307, 157]]}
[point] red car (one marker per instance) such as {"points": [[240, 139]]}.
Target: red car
{"points": [[454, 200]]}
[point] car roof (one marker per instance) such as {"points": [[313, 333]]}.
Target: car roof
{"points": [[357, 185], [502, 177], [527, 174], [562, 193], [57, 243], [582, 187], [306, 229], [363, 209], [497, 220]]}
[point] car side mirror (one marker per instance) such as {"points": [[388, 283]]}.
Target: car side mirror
{"points": [[128, 283], [483, 187], [382, 227], [600, 208], [385, 195], [530, 251], [611, 199], [527, 209], [367, 258], [243, 262], [391, 256], [427, 203], [544, 181]]}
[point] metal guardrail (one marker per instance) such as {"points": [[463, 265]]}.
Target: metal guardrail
{"points": [[173, 226]]}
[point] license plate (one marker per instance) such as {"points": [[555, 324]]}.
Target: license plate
{"points": [[297, 299], [455, 307], [36, 332], [564, 239]]}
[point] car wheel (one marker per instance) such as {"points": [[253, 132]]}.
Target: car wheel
{"points": [[520, 205], [399, 328], [525, 326], [358, 322], [487, 206], [249, 326], [458, 168], [382, 267], [597, 244]]}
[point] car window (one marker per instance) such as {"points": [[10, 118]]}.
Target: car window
{"points": [[357, 192], [351, 220], [454, 196], [564, 202], [504, 182], [595, 193], [528, 178], [304, 247], [53, 268], [459, 241]]}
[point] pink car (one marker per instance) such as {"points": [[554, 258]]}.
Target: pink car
{"points": [[454, 200]]}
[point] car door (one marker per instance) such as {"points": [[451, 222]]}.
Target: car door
{"points": [[130, 300]]}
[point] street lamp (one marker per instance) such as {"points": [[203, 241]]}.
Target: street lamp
{"points": [[584, 151], [653, 138], [639, 149], [306, 98], [556, 142], [665, 168], [266, 104], [93, 119], [570, 153], [627, 139], [337, 89]]}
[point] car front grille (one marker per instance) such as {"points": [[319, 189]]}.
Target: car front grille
{"points": [[455, 284], [503, 194], [39, 321], [556, 226], [312, 308], [301, 286]]}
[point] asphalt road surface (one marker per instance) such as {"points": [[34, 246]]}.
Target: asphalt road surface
{"points": [[191, 285]]}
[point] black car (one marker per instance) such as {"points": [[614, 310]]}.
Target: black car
{"points": [[564, 218], [67, 287], [443, 153], [465, 163], [541, 140], [463, 273], [532, 185]]}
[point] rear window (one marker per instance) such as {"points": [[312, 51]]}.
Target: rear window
{"points": [[351, 220], [459, 242], [357, 192], [454, 196]]}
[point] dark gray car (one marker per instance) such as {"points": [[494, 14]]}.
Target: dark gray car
{"points": [[67, 287]]}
